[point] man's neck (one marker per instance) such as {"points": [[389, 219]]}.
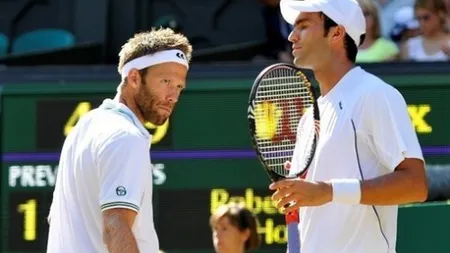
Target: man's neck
{"points": [[132, 106], [239, 250], [329, 75]]}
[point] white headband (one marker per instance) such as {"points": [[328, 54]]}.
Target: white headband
{"points": [[173, 55]]}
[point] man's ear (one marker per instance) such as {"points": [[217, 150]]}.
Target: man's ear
{"points": [[133, 78], [337, 34]]}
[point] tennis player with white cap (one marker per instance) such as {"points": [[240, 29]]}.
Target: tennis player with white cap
{"points": [[368, 159], [102, 200]]}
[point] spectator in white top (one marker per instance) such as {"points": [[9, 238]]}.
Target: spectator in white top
{"points": [[434, 43], [102, 200]]}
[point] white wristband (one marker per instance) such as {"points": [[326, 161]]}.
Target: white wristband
{"points": [[346, 191]]}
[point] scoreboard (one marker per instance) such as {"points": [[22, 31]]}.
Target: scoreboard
{"points": [[195, 163], [201, 157]]}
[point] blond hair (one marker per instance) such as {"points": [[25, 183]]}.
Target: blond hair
{"points": [[150, 42], [153, 41], [370, 7], [435, 6]]}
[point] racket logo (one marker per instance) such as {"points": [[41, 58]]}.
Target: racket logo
{"points": [[276, 121], [288, 114]]}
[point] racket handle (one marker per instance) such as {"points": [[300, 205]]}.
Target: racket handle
{"points": [[293, 238], [292, 221]]}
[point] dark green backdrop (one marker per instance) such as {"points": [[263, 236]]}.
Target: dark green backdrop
{"points": [[202, 158]]}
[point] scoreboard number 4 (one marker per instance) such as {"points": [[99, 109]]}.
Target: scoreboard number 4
{"points": [[82, 108], [29, 211]]}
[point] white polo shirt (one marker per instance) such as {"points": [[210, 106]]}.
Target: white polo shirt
{"points": [[365, 132], [104, 164]]}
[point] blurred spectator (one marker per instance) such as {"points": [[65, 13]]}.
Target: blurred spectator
{"points": [[447, 4], [234, 229], [434, 42], [277, 32], [387, 9], [375, 48], [405, 25]]}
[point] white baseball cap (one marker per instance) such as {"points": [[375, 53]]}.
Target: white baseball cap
{"points": [[403, 20], [405, 16], [347, 13]]}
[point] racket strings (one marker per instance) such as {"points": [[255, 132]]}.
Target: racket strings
{"points": [[281, 101]]}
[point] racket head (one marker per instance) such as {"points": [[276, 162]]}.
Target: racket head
{"points": [[280, 96]]}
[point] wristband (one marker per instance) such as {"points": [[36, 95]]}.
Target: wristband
{"points": [[346, 191]]}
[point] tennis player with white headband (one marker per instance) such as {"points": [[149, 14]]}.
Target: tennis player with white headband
{"points": [[172, 55], [103, 195], [368, 159]]}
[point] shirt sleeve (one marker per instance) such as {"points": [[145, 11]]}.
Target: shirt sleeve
{"points": [[123, 163], [386, 120]]}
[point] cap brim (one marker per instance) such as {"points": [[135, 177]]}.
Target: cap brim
{"points": [[291, 9]]}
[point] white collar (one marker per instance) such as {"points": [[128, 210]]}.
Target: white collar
{"points": [[116, 106]]}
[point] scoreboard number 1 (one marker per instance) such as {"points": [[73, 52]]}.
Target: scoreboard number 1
{"points": [[29, 211], [27, 226]]}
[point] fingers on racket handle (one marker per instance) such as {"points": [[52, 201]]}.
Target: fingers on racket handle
{"points": [[287, 166]]}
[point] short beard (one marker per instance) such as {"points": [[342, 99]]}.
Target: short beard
{"points": [[146, 103]]}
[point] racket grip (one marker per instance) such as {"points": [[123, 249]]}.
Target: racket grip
{"points": [[293, 238], [292, 221]]}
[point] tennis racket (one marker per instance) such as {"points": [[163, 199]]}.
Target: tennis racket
{"points": [[283, 116]]}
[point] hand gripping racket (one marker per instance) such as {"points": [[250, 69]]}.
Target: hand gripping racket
{"points": [[283, 116]]}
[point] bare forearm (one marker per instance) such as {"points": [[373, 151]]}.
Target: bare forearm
{"points": [[120, 239], [399, 187]]}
